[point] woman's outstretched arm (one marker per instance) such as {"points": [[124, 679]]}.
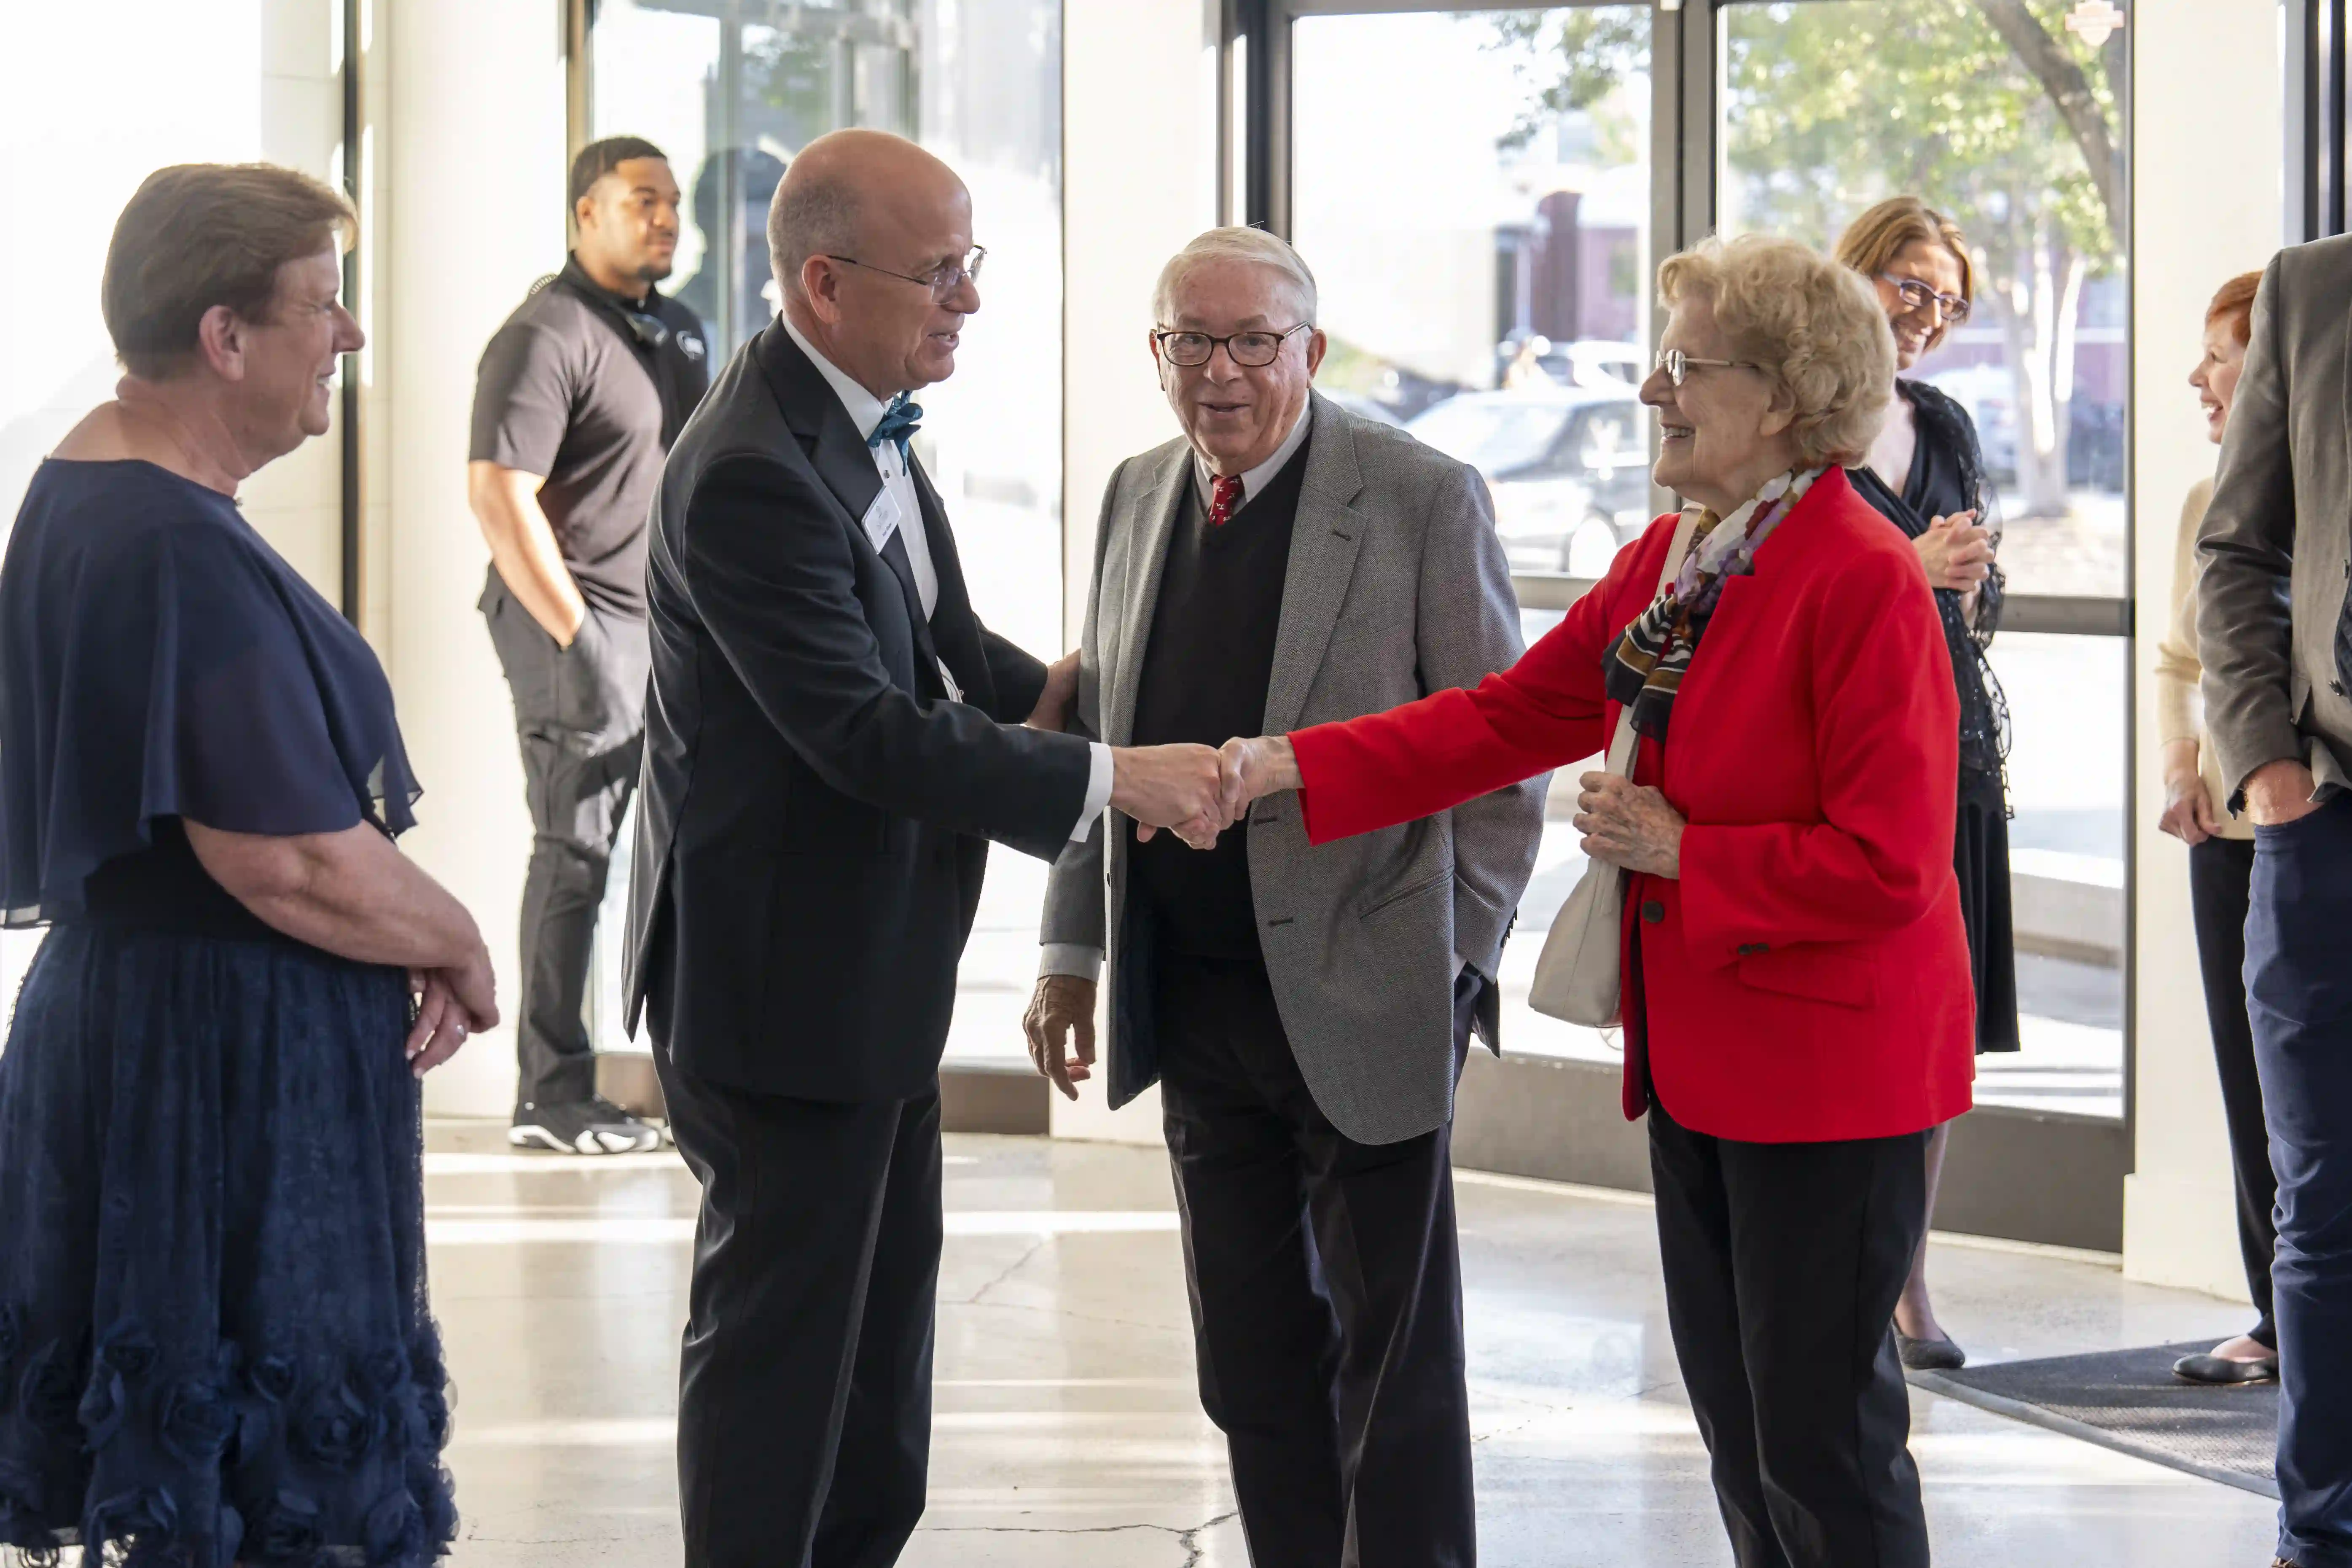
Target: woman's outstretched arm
{"points": [[1454, 745]]}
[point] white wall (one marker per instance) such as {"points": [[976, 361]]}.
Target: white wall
{"points": [[2205, 206], [85, 135], [471, 135], [1139, 179]]}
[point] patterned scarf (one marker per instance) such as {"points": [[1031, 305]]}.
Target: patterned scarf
{"points": [[1644, 668]]}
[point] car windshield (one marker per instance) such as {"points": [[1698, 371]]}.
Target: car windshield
{"points": [[1493, 433]]}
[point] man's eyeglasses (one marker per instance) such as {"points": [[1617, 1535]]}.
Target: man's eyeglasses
{"points": [[1678, 364], [941, 281], [1252, 350], [1918, 296]]}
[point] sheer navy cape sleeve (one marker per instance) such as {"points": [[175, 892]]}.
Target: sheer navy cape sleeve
{"points": [[158, 659]]}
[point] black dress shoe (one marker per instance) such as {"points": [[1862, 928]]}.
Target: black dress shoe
{"points": [[1930, 1355], [2219, 1369]]}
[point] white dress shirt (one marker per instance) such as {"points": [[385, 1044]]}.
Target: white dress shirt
{"points": [[1085, 963], [865, 411]]}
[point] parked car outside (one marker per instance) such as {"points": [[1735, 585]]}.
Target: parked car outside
{"points": [[1369, 407], [1569, 468], [1989, 394]]}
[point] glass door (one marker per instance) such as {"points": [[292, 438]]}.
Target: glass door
{"points": [[1474, 190], [1485, 193], [2017, 131], [732, 90]]}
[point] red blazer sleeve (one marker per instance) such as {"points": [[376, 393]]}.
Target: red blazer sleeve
{"points": [[1887, 750], [1456, 745]]}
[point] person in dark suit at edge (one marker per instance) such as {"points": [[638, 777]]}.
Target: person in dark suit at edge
{"points": [[832, 738]]}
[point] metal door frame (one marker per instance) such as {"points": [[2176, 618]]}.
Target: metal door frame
{"points": [[1685, 111]]}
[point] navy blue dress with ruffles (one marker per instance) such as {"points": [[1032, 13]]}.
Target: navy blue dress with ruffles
{"points": [[215, 1341]]}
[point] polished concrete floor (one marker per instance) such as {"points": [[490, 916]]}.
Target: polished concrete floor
{"points": [[1067, 1430], [2070, 1012]]}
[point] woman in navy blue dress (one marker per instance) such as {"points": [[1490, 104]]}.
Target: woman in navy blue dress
{"points": [[214, 1342]]}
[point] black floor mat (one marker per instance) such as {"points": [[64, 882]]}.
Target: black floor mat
{"points": [[2129, 1401]]}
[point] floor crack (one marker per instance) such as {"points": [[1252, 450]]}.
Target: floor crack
{"points": [[1195, 1551], [1036, 1247]]}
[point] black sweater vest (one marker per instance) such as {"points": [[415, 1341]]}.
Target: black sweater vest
{"points": [[1204, 678]]}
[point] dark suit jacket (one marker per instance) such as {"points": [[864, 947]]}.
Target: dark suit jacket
{"points": [[812, 828]]}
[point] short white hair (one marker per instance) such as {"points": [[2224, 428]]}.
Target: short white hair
{"points": [[1233, 244]]}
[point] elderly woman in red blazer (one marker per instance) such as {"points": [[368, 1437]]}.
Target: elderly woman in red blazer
{"points": [[1796, 992]]}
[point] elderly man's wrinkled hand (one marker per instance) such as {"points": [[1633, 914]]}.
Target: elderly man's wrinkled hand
{"points": [[1060, 1014], [1628, 825], [1059, 698]]}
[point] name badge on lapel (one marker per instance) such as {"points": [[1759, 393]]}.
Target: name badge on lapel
{"points": [[881, 520]]}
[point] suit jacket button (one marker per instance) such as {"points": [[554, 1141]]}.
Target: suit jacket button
{"points": [[1653, 912]]}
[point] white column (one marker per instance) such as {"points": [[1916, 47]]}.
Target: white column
{"points": [[1139, 178], [2206, 207], [472, 141]]}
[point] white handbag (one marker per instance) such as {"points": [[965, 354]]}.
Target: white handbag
{"points": [[1579, 976]]}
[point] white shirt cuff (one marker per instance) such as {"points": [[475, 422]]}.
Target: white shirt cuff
{"points": [[1072, 959], [1099, 782]]}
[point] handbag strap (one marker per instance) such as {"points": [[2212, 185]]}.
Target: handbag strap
{"points": [[1627, 740]]}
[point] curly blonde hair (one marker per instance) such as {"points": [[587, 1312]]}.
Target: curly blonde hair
{"points": [[1813, 325]]}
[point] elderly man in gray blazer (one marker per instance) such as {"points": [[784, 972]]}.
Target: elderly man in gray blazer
{"points": [[2274, 631], [1305, 1010]]}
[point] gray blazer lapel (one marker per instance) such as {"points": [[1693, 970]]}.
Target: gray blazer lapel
{"points": [[1323, 544], [1162, 506]]}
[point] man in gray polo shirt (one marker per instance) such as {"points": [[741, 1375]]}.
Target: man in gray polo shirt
{"points": [[576, 403]]}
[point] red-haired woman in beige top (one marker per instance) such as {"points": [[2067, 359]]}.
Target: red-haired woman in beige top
{"points": [[2220, 862]]}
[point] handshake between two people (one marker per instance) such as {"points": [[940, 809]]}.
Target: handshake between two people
{"points": [[1193, 791], [1197, 793]]}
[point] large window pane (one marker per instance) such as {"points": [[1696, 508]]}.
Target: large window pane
{"points": [[1831, 105], [1930, 100], [732, 90], [1473, 191], [2066, 855], [1477, 217]]}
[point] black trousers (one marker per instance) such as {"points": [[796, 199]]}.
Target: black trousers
{"points": [[579, 716], [1326, 1290], [805, 1386], [1783, 1265], [2221, 875]]}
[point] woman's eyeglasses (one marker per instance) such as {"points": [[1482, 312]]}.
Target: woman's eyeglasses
{"points": [[1678, 364], [1918, 296], [1250, 351]]}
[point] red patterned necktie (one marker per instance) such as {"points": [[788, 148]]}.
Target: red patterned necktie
{"points": [[1224, 499]]}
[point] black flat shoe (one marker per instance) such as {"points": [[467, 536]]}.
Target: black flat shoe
{"points": [[2216, 1369], [1930, 1355]]}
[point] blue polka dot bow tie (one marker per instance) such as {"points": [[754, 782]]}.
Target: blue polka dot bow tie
{"points": [[899, 421]]}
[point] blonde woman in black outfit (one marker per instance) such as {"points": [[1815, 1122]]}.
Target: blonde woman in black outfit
{"points": [[1926, 474]]}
